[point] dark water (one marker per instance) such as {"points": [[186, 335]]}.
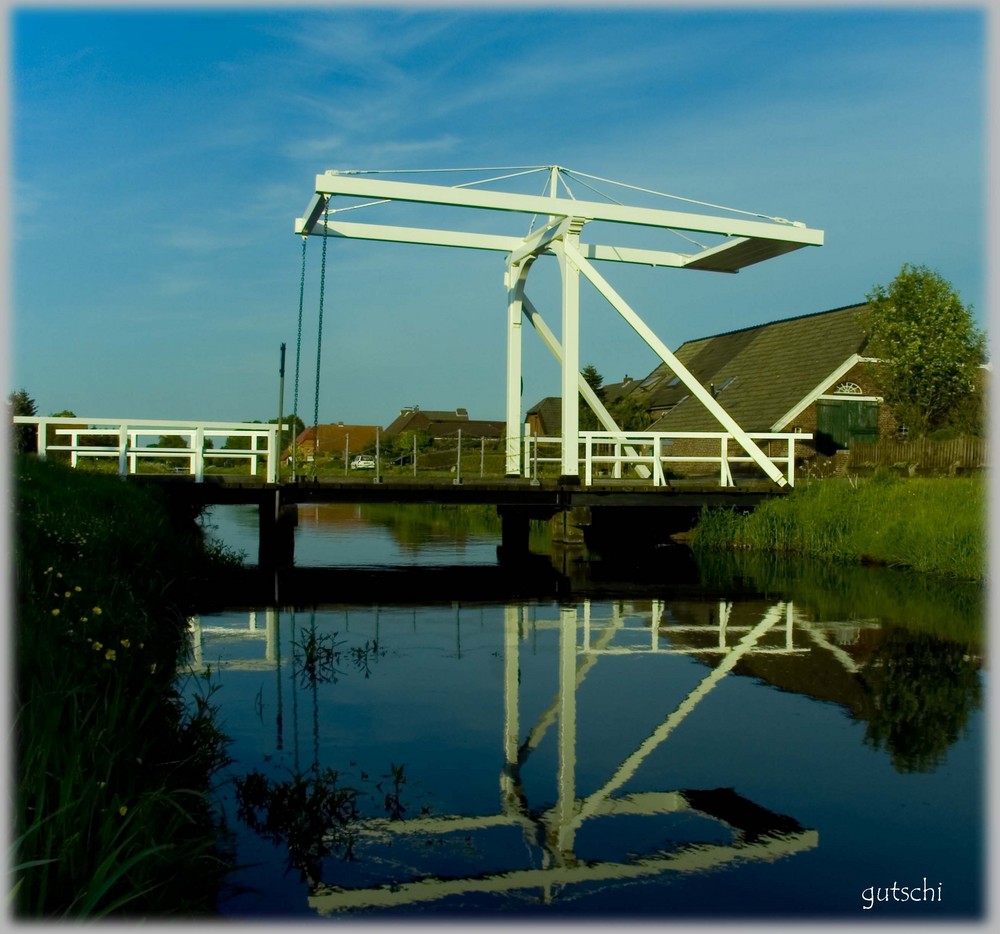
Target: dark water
{"points": [[771, 740]]}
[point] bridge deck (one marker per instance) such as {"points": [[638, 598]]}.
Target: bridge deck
{"points": [[621, 512], [545, 495]]}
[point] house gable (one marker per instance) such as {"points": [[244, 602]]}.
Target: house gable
{"points": [[761, 374]]}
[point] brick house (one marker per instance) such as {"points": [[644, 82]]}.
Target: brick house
{"points": [[439, 425], [334, 439], [805, 374]]}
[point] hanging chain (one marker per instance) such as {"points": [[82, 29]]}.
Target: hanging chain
{"points": [[298, 356], [319, 338]]}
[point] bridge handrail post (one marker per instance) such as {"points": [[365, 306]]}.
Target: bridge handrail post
{"points": [[659, 478], [41, 438], [791, 460], [272, 453], [123, 449], [588, 457], [254, 441], [526, 438], [725, 475], [198, 456], [73, 442]]}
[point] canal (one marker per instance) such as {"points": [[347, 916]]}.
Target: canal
{"points": [[721, 738]]}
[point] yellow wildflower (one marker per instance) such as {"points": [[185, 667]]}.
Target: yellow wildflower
{"points": [[110, 655], [126, 643], [123, 810], [83, 619], [67, 594], [96, 611], [78, 588], [55, 612], [98, 646]]}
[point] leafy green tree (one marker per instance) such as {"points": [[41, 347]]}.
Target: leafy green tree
{"points": [[171, 441], [629, 413], [924, 690], [289, 434], [24, 437], [588, 420], [928, 346]]}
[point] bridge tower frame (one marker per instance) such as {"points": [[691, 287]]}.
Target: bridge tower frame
{"points": [[747, 241]]}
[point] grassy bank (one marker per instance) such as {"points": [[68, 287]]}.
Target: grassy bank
{"points": [[110, 768], [932, 525]]}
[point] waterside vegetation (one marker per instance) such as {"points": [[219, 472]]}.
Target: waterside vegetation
{"points": [[112, 769], [934, 525]]}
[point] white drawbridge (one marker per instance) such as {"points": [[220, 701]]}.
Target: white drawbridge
{"points": [[738, 238]]}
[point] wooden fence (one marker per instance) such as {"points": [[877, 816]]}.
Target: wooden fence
{"points": [[959, 453]]}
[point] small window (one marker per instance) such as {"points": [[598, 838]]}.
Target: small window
{"points": [[674, 381], [650, 381], [848, 389]]}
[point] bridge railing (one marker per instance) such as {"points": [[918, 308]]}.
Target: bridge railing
{"points": [[135, 440], [627, 449]]}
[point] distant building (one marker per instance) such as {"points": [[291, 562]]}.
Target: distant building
{"points": [[544, 418], [334, 439], [803, 374], [440, 425], [806, 374]]}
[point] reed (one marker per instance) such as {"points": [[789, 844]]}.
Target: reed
{"points": [[931, 525], [112, 770]]}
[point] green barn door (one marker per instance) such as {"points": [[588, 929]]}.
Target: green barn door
{"points": [[841, 422]]}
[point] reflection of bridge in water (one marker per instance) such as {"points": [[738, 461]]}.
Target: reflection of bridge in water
{"points": [[723, 640]]}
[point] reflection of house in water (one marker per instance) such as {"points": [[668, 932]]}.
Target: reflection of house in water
{"points": [[830, 673]]}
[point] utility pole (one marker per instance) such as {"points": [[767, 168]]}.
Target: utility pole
{"points": [[281, 404]]}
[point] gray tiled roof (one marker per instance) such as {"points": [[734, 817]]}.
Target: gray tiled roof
{"points": [[759, 373], [549, 412]]}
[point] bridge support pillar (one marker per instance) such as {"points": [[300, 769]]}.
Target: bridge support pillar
{"points": [[276, 543], [514, 527], [568, 525]]}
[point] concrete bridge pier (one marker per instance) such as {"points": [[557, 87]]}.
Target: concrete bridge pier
{"points": [[277, 522], [569, 525], [515, 524]]}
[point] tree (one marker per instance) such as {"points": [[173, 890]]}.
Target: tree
{"points": [[630, 413], [928, 347], [23, 436], [288, 434], [589, 420]]}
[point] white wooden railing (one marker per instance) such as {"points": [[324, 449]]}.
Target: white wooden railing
{"points": [[649, 449], [135, 437]]}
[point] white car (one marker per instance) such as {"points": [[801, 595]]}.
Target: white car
{"points": [[363, 462]]}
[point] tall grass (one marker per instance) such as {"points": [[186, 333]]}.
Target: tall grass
{"points": [[111, 768], [932, 525]]}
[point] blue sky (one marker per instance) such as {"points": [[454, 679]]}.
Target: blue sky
{"points": [[158, 161]]}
